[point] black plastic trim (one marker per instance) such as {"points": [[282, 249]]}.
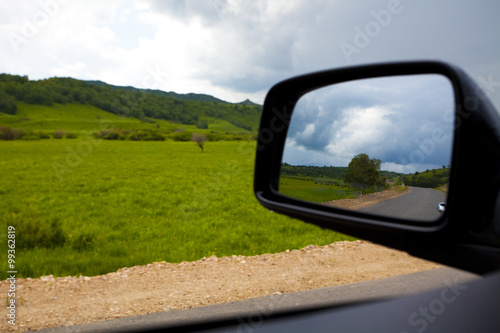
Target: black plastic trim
{"points": [[476, 151]]}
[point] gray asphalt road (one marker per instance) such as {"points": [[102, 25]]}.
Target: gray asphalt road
{"points": [[418, 204], [257, 309]]}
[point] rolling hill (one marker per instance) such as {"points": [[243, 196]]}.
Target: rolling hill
{"points": [[70, 104], [185, 97]]}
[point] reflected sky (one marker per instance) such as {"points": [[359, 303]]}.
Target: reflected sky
{"points": [[405, 121]]}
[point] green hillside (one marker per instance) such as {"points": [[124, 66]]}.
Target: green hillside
{"points": [[430, 178], [78, 118], [70, 104]]}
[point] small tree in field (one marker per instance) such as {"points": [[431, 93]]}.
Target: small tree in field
{"points": [[199, 139]]}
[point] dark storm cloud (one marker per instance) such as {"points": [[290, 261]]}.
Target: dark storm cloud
{"points": [[403, 121]]}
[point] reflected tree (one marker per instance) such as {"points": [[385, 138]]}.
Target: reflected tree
{"points": [[363, 172]]}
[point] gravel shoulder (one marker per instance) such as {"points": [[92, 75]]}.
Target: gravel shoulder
{"points": [[368, 199], [51, 302]]}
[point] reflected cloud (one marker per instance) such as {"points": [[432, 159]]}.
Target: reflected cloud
{"points": [[402, 120]]}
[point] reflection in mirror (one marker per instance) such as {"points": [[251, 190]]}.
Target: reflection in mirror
{"points": [[381, 146]]}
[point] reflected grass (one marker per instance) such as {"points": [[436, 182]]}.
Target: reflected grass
{"points": [[315, 191]]}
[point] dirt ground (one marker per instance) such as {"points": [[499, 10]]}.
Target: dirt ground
{"points": [[368, 199], [51, 302]]}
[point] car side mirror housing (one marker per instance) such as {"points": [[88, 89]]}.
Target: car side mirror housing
{"points": [[420, 131]]}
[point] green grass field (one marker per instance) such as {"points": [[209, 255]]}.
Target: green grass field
{"points": [[82, 119], [88, 206], [310, 190]]}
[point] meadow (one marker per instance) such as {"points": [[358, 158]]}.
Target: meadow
{"points": [[83, 118], [89, 206]]}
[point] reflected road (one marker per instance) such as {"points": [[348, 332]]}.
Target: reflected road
{"points": [[418, 204]]}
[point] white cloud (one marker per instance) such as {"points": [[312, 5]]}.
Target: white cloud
{"points": [[68, 70], [408, 168], [308, 132], [398, 120], [360, 129], [236, 48]]}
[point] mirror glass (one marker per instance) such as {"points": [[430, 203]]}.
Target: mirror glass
{"points": [[380, 145]]}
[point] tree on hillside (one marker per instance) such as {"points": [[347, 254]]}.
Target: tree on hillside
{"points": [[202, 124], [7, 103], [363, 172], [199, 139]]}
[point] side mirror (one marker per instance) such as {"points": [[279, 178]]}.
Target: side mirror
{"points": [[371, 151], [380, 145]]}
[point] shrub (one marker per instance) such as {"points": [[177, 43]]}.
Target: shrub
{"points": [[154, 136], [43, 135], [58, 134], [181, 136], [83, 242], [112, 135], [213, 136], [39, 233], [9, 133], [30, 136], [115, 134], [202, 124], [71, 136], [27, 134], [135, 136], [100, 134]]}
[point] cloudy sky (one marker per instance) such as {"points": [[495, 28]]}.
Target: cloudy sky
{"points": [[237, 49], [405, 121]]}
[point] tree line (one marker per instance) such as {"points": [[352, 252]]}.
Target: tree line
{"points": [[313, 172], [429, 178], [364, 173]]}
